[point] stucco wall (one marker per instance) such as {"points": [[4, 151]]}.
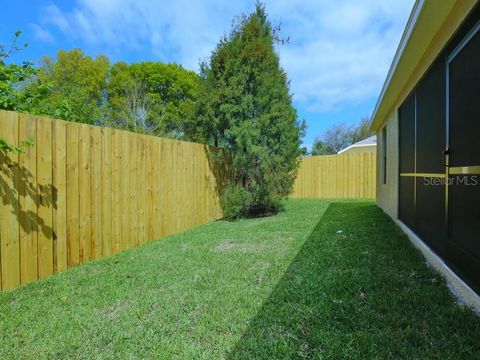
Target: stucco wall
{"points": [[387, 194]]}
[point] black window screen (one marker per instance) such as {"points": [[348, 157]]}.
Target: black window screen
{"points": [[431, 119], [430, 212], [406, 209], [407, 135], [406, 116], [430, 162], [465, 105]]}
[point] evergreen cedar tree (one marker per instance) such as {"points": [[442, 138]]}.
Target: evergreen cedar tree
{"points": [[245, 107]]}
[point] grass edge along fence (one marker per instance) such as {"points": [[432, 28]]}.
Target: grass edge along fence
{"points": [[349, 176], [82, 192]]}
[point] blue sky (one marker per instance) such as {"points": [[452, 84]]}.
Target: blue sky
{"points": [[337, 59]]}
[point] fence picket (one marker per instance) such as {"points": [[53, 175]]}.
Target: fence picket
{"points": [[28, 201], [336, 176]]}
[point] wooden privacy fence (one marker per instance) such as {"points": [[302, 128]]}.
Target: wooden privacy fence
{"points": [[336, 176], [84, 192]]}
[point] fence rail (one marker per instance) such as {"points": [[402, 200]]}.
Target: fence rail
{"points": [[350, 176], [83, 192]]}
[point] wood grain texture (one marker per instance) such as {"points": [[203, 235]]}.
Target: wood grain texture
{"points": [[28, 201], [9, 211], [46, 202], [60, 195], [83, 192], [96, 191], [107, 191], [117, 199], [85, 215], [336, 177], [73, 228]]}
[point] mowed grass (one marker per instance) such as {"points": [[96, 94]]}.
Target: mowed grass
{"points": [[319, 280]]}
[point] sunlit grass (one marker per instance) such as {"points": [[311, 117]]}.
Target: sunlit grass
{"points": [[318, 280]]}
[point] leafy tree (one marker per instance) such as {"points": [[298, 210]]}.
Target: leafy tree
{"points": [[362, 130], [71, 87], [319, 148], [11, 97], [245, 107], [6, 147], [340, 136], [147, 97], [152, 97], [12, 76], [303, 151]]}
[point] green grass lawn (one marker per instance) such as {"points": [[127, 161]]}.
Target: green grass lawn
{"points": [[319, 280]]}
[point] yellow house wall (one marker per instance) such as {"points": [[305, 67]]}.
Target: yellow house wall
{"points": [[387, 194]]}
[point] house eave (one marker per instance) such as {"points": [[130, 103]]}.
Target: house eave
{"points": [[430, 26], [407, 32]]}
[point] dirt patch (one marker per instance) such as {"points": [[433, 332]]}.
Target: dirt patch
{"points": [[112, 312], [241, 248]]}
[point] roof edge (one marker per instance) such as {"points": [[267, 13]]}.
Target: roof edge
{"points": [[354, 146], [407, 32]]}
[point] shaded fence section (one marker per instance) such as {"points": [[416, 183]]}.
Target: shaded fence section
{"points": [[84, 192], [350, 176]]}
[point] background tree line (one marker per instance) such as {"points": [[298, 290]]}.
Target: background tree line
{"points": [[340, 136], [146, 97]]}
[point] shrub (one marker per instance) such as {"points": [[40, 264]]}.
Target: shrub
{"points": [[235, 201]]}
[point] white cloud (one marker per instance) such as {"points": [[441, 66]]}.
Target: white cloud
{"points": [[41, 34], [54, 16], [339, 52]]}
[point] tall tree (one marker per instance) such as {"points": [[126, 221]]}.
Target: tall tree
{"points": [[319, 147], [362, 130], [72, 87], [339, 136], [245, 107], [152, 97]]}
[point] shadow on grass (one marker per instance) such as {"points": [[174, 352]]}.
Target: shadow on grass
{"points": [[358, 289]]}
